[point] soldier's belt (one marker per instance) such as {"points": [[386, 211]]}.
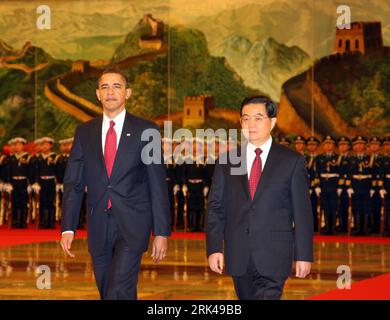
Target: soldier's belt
{"points": [[47, 177], [195, 180], [361, 176], [19, 178], [329, 175]]}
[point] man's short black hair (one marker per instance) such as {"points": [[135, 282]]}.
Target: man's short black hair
{"points": [[113, 69], [270, 106]]}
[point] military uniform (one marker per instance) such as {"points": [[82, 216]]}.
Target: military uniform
{"points": [[195, 181], [45, 173], [344, 183], [384, 184], [285, 142], [360, 174], [327, 173], [19, 175], [376, 201], [311, 169]]}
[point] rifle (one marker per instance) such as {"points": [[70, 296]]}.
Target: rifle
{"points": [[9, 211], [350, 215], [383, 217], [175, 211], [319, 217], [2, 208], [37, 209]]}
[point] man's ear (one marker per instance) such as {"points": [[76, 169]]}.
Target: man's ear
{"points": [[273, 120], [98, 94], [128, 93]]}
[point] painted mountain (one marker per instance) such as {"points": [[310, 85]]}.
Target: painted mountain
{"points": [[264, 65]]}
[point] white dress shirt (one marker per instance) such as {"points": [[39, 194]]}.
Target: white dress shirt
{"points": [[251, 154], [119, 121]]}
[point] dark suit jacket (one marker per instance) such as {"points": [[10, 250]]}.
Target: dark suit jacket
{"points": [[275, 227], [138, 192]]}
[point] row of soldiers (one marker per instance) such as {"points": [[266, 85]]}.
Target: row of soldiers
{"points": [[348, 188], [31, 185], [349, 183]]}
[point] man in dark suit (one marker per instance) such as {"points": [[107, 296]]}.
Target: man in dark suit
{"points": [[259, 216], [127, 197]]}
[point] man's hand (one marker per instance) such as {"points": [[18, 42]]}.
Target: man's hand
{"points": [[66, 243], [216, 262], [160, 247], [302, 269]]}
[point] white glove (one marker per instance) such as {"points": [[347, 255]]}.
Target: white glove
{"points": [[372, 192], [185, 189], [36, 187], [1, 187], [382, 193], [310, 191], [339, 190], [350, 192], [29, 189], [58, 187], [176, 189], [205, 191], [318, 191]]}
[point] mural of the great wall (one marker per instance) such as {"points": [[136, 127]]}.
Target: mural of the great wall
{"points": [[194, 66]]}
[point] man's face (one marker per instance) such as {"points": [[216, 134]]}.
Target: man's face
{"points": [[329, 147], [65, 147], [359, 147], [343, 148], [256, 124], [45, 147], [312, 148], [112, 92], [17, 147], [374, 148], [300, 146]]}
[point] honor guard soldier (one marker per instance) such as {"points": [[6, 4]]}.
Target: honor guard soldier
{"points": [[19, 175], [385, 183], [312, 146], [195, 184], [45, 172], [4, 189], [361, 184], [300, 144], [65, 148], [170, 175], [376, 203], [327, 172], [285, 142], [344, 182]]}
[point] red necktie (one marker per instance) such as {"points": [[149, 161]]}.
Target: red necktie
{"points": [[110, 151], [256, 171]]}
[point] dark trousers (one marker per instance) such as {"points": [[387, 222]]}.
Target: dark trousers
{"points": [[376, 204], [329, 205], [116, 270], [313, 200], [47, 203], [254, 286], [19, 198], [343, 211], [195, 207]]}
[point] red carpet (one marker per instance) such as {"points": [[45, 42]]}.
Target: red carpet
{"points": [[377, 288], [31, 235]]}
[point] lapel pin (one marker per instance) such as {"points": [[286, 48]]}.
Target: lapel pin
{"points": [[128, 134]]}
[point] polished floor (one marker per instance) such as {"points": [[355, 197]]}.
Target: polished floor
{"points": [[183, 275]]}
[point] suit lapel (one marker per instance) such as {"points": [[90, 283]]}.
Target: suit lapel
{"points": [[268, 170], [243, 177], [98, 146], [127, 136]]}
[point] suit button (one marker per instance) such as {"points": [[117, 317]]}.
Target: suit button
{"points": [[109, 186]]}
